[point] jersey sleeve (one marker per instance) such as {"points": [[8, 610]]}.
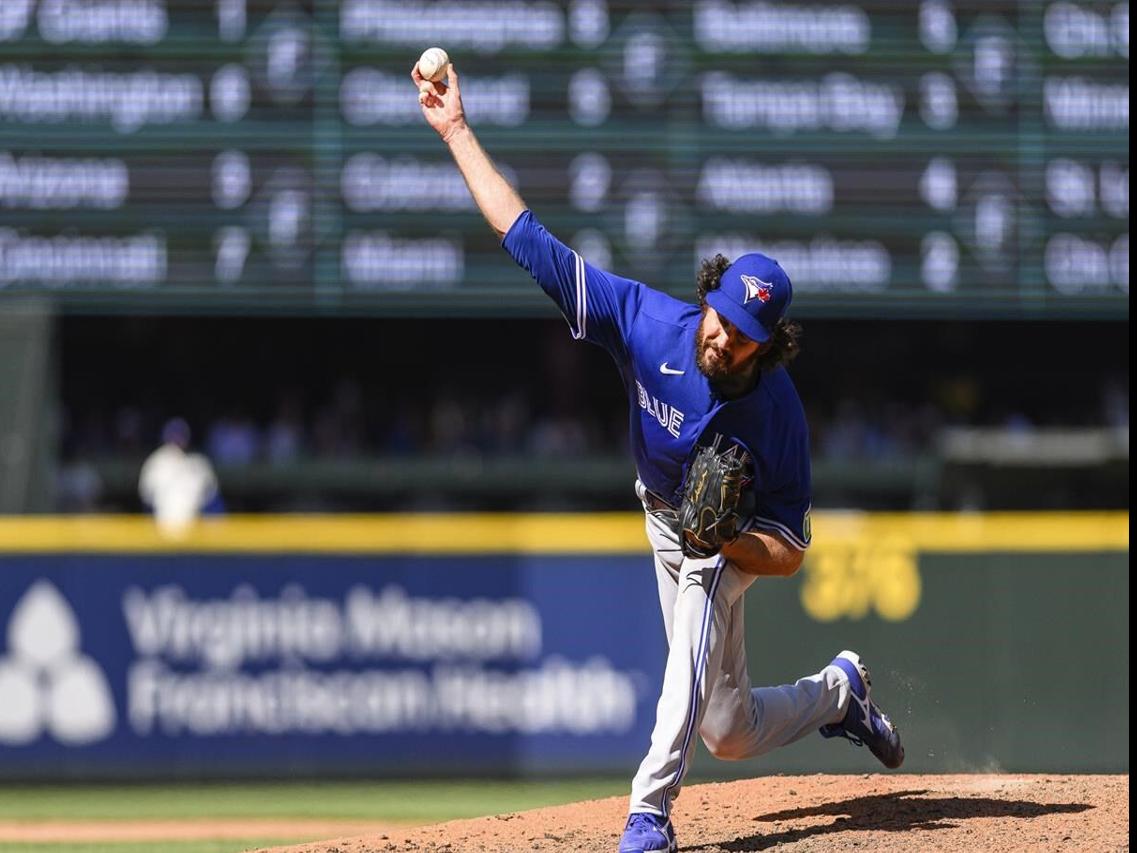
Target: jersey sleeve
{"points": [[782, 504], [599, 307]]}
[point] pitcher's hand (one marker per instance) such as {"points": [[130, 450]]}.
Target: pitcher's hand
{"points": [[441, 103]]}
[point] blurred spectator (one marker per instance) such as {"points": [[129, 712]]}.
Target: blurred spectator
{"points": [[959, 398], [128, 429], [234, 441], [284, 438], [562, 436], [450, 431], [1115, 403], [404, 433], [78, 487], [338, 428], [176, 484], [505, 425]]}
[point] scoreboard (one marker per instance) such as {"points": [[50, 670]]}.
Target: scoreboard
{"points": [[944, 158]]}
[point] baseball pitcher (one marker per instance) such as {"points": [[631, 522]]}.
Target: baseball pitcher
{"points": [[722, 456]]}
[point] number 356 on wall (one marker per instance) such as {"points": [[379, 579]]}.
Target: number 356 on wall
{"points": [[850, 580]]}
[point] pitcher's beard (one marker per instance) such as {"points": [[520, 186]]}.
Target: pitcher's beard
{"points": [[727, 381], [715, 369]]}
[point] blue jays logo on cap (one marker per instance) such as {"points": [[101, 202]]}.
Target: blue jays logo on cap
{"points": [[754, 294], [756, 288]]}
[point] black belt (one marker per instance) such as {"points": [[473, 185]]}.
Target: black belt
{"points": [[655, 503]]}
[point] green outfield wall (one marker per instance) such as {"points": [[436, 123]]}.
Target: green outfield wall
{"points": [[1015, 661]]}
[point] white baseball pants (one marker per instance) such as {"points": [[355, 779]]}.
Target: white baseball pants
{"points": [[706, 686]]}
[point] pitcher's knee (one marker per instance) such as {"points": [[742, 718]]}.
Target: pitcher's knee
{"points": [[724, 745]]}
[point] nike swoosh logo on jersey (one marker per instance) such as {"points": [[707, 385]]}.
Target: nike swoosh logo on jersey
{"points": [[669, 371]]}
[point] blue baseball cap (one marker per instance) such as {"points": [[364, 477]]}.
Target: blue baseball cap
{"points": [[176, 431], [754, 294]]}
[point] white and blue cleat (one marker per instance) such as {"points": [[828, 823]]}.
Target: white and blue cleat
{"points": [[864, 724], [648, 833]]}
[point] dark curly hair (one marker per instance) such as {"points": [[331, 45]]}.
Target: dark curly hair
{"points": [[784, 345]]}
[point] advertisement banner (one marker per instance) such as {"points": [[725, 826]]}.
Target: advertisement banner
{"points": [[221, 664]]}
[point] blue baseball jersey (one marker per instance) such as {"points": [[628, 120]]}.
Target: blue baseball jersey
{"points": [[672, 406]]}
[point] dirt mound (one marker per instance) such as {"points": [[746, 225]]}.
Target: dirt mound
{"points": [[810, 813]]}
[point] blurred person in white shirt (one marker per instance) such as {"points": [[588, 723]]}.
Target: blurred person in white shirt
{"points": [[177, 485]]}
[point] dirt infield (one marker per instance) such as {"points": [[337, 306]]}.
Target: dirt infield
{"points": [[810, 813]]}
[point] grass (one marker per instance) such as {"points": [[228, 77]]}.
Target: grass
{"points": [[412, 802], [396, 802]]}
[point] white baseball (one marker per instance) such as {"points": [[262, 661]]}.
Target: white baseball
{"points": [[433, 63]]}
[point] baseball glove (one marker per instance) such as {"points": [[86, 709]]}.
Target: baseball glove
{"points": [[712, 494]]}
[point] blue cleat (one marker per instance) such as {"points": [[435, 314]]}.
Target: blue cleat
{"points": [[864, 724], [648, 832]]}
